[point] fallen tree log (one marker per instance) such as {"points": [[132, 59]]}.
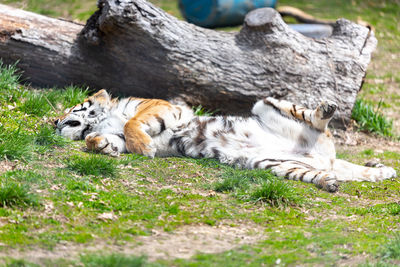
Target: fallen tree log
{"points": [[134, 48]]}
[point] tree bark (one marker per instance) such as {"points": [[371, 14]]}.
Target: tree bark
{"points": [[134, 48]]}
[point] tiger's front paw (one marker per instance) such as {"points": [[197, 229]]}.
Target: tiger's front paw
{"points": [[102, 144], [329, 183]]}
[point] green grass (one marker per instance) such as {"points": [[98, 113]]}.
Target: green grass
{"points": [[389, 254], [201, 111], [113, 260], [257, 186], [93, 164], [391, 250], [46, 137], [275, 192], [371, 120], [10, 90], [389, 209], [16, 195], [19, 263], [15, 144]]}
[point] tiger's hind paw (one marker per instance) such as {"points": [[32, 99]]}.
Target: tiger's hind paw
{"points": [[387, 172], [326, 109], [381, 171]]}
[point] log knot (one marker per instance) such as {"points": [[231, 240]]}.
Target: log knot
{"points": [[267, 20]]}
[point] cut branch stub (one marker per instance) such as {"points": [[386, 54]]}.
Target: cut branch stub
{"points": [[134, 48], [263, 18]]}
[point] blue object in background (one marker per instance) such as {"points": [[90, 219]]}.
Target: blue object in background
{"points": [[220, 13]]}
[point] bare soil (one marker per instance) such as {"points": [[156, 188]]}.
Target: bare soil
{"points": [[185, 242], [355, 141]]}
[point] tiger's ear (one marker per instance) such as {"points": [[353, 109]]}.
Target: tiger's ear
{"points": [[101, 97]]}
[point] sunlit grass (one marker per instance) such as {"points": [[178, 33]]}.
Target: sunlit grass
{"points": [[13, 194], [371, 120], [257, 186], [93, 164]]}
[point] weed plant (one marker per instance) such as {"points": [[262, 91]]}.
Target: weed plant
{"points": [[13, 194], [275, 192], [257, 186], [10, 90], [371, 120], [391, 250], [93, 164], [46, 137], [16, 144]]}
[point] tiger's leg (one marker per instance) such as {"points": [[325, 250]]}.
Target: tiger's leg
{"points": [[346, 171], [317, 118], [149, 122], [110, 144], [299, 171]]}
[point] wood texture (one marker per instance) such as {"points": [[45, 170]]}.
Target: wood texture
{"points": [[134, 48]]}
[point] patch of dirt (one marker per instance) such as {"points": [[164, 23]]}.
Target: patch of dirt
{"points": [[184, 242], [6, 166], [354, 260], [189, 240], [354, 141]]}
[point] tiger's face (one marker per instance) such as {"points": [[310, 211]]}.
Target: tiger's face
{"points": [[79, 121]]}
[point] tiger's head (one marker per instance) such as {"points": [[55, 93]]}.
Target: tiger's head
{"points": [[78, 121]]}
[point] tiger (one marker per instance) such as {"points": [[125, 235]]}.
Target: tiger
{"points": [[290, 140]]}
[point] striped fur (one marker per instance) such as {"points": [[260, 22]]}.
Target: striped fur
{"points": [[290, 140], [112, 127]]}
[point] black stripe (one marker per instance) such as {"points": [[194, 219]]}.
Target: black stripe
{"points": [[87, 128], [121, 135], [82, 109], [201, 128], [162, 123], [315, 176], [127, 103], [301, 177], [302, 114], [180, 112], [269, 166], [178, 142], [290, 171], [101, 149], [301, 164], [257, 163]]}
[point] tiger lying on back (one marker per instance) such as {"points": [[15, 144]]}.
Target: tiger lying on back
{"points": [[292, 141]]}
